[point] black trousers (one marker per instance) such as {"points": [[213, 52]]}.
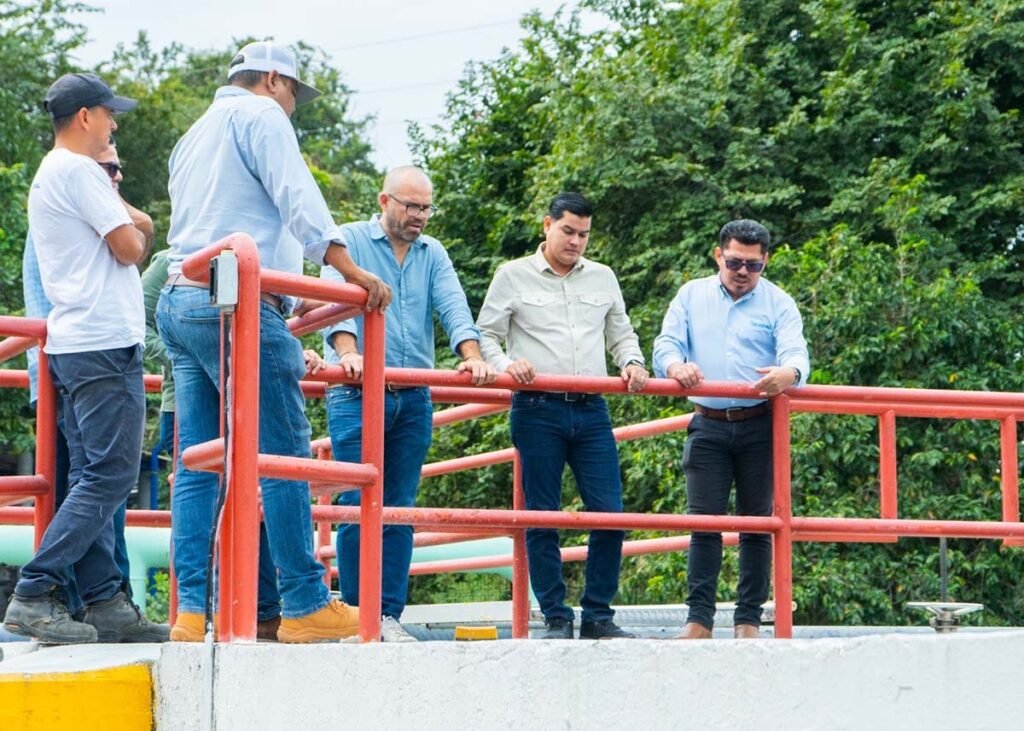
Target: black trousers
{"points": [[717, 455]]}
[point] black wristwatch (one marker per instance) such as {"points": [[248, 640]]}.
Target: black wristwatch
{"points": [[798, 374]]}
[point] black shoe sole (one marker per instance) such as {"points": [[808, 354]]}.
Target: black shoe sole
{"points": [[23, 631]]}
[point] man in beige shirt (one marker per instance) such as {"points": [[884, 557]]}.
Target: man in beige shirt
{"points": [[556, 313]]}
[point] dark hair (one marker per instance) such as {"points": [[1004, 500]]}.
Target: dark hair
{"points": [[570, 203], [247, 79], [62, 123], [746, 232]]}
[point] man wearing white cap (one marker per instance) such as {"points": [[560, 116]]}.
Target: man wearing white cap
{"points": [[239, 168]]}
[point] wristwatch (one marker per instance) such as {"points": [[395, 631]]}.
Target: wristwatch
{"points": [[798, 374]]}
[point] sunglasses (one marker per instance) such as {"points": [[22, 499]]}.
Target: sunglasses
{"points": [[112, 168], [734, 265]]}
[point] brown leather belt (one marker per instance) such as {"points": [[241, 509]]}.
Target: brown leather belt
{"points": [[180, 280], [739, 413]]}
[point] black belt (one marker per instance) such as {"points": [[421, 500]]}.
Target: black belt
{"points": [[562, 396], [738, 413]]}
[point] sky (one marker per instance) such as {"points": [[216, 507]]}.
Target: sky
{"points": [[400, 57]]}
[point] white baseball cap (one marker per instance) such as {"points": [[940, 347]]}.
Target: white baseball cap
{"points": [[266, 56]]}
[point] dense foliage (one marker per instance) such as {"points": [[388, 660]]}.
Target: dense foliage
{"points": [[881, 142]]}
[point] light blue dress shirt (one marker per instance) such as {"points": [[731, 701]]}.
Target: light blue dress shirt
{"points": [[36, 305], [239, 168], [425, 283], [729, 339]]}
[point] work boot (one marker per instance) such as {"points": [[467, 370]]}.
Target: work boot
{"points": [[746, 632], [190, 627], [556, 628], [266, 630], [603, 629], [46, 618], [331, 623], [695, 631], [118, 619]]}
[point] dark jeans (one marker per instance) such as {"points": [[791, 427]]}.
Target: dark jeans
{"points": [[407, 434], [717, 454], [103, 407], [549, 433], [74, 601]]}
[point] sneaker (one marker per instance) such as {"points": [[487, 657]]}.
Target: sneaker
{"points": [[331, 623], [556, 628], [391, 630], [46, 619], [603, 629], [119, 619]]}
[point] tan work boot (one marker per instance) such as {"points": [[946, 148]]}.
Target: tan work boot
{"points": [[746, 632], [334, 622], [190, 627], [695, 631]]}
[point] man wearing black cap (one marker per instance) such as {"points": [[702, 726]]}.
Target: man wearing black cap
{"points": [[88, 241], [239, 168]]}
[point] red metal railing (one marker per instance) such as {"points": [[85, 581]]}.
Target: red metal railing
{"points": [[239, 530]]}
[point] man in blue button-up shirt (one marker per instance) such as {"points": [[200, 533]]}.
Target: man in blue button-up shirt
{"points": [[733, 326], [239, 168], [417, 268]]}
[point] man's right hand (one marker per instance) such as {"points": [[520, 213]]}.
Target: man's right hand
{"points": [[521, 370], [688, 374], [378, 294]]}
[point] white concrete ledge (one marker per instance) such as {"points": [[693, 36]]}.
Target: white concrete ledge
{"points": [[881, 682]]}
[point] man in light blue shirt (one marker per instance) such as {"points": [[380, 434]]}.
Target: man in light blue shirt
{"points": [[239, 168], [733, 326], [418, 270]]}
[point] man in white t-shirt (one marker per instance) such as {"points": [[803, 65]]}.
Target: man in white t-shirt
{"points": [[88, 241]]}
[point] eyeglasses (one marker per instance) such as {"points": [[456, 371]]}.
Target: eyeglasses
{"points": [[415, 209], [112, 168], [734, 265]]}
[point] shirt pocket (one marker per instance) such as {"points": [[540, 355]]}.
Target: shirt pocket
{"points": [[539, 299], [593, 309]]}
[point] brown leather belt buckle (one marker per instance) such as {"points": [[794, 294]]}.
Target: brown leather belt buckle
{"points": [[736, 413]]}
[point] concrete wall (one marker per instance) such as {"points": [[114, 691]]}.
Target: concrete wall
{"points": [[882, 682]]}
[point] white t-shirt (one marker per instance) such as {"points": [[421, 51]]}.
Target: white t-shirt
{"points": [[97, 301]]}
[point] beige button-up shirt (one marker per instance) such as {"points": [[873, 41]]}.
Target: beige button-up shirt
{"points": [[560, 324]]}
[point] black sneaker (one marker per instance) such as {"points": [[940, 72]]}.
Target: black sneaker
{"points": [[46, 618], [119, 620], [556, 628], [603, 629]]}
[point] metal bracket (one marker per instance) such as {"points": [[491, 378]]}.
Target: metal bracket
{"points": [[946, 615], [224, 280]]}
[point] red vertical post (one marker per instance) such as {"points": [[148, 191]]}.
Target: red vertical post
{"points": [[887, 464], [520, 565], [1009, 477], [371, 524], [239, 532], [323, 527], [782, 544], [46, 446], [172, 600]]}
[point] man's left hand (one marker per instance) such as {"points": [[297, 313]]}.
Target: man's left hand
{"points": [[776, 380], [314, 363], [479, 369], [635, 377]]}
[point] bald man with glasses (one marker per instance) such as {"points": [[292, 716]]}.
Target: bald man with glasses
{"points": [[731, 326]]}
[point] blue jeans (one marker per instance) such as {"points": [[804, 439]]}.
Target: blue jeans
{"points": [[717, 454], [190, 329], [407, 434], [61, 476], [549, 433], [103, 407]]}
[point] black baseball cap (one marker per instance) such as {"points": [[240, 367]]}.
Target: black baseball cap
{"points": [[72, 92]]}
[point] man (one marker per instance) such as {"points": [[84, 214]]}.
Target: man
{"points": [[733, 326], [557, 312], [417, 268], [37, 305], [260, 185], [88, 242]]}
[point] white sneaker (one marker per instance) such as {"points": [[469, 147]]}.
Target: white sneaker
{"points": [[391, 630]]}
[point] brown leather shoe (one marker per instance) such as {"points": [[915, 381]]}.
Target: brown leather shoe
{"points": [[695, 631], [746, 632], [266, 631], [333, 622]]}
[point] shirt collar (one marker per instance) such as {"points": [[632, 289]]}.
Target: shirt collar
{"points": [[377, 232], [231, 90], [542, 265]]}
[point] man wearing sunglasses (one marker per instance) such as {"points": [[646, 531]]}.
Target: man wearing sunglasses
{"points": [[732, 326]]}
